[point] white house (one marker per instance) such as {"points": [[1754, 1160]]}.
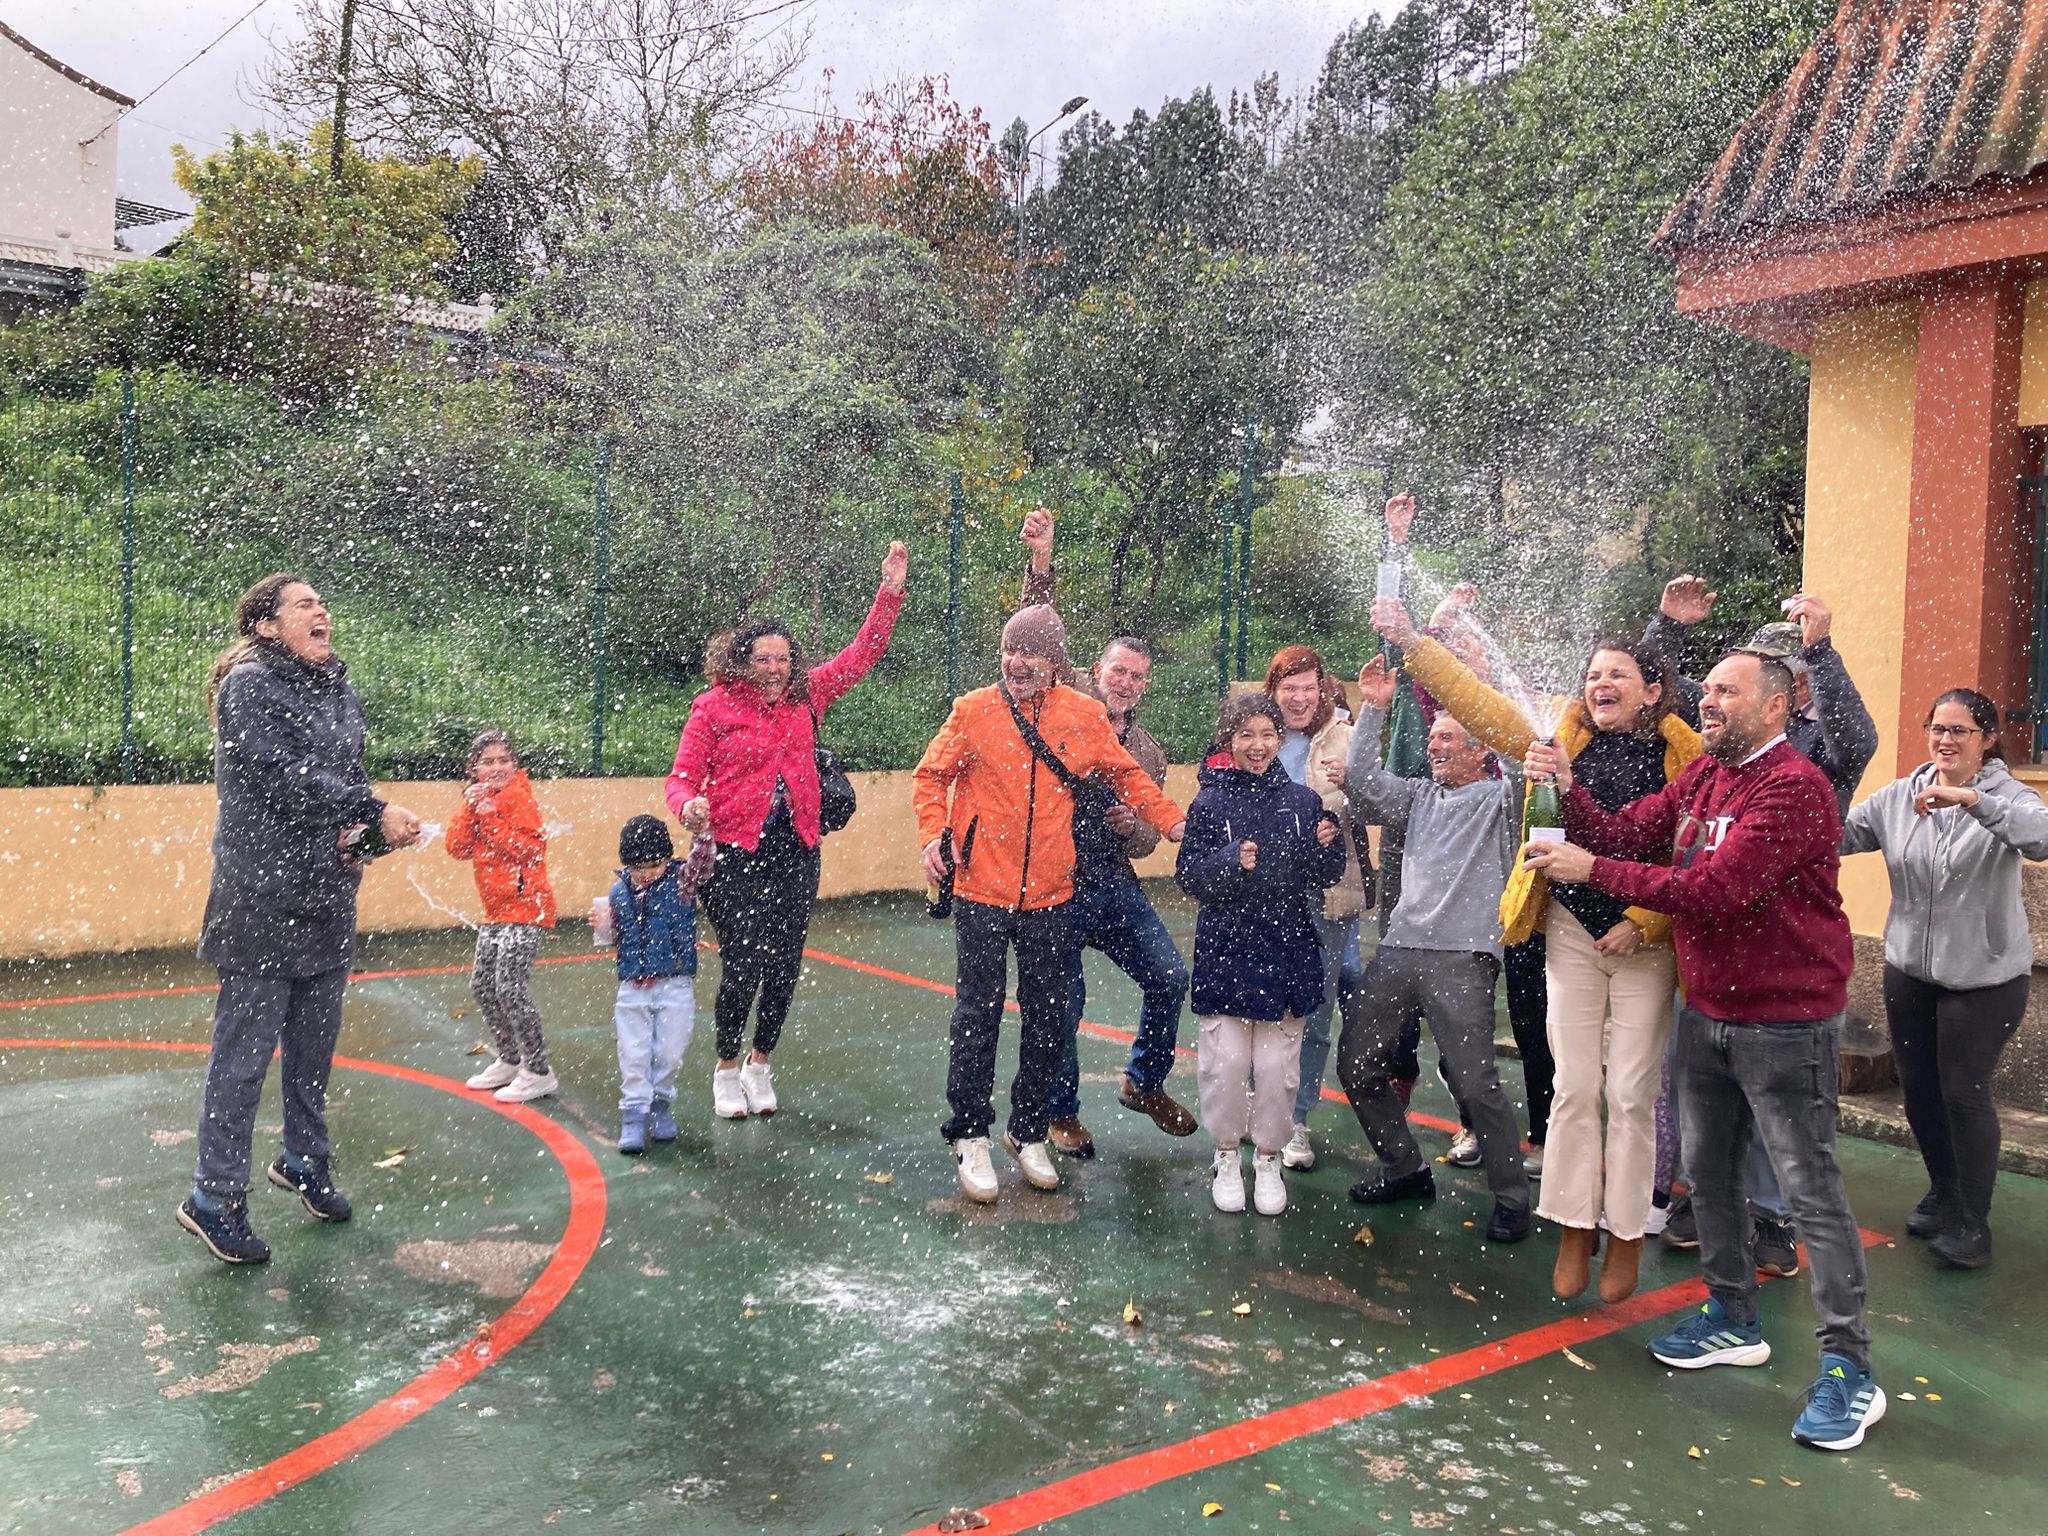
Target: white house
{"points": [[59, 137]]}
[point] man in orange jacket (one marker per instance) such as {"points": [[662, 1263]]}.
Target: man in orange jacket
{"points": [[1011, 833]]}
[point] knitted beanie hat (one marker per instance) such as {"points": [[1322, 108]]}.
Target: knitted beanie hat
{"points": [[1037, 631], [645, 840]]}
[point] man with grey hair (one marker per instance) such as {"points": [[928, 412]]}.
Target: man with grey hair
{"points": [[1111, 911]]}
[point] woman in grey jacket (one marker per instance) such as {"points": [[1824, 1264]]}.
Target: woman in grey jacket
{"points": [[1957, 954], [281, 914]]}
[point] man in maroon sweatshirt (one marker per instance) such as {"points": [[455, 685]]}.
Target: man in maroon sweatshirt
{"points": [[1764, 955]]}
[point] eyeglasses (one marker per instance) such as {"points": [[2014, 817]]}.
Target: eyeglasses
{"points": [[1953, 732]]}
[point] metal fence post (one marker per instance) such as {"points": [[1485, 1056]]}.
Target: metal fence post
{"points": [[127, 579], [956, 536], [602, 591], [1244, 545], [1224, 591]]}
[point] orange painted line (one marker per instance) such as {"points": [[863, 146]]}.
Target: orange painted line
{"points": [[193, 991], [1234, 1442], [490, 1343], [1101, 1031]]}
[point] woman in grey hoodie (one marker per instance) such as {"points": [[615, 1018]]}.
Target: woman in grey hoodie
{"points": [[1957, 953]]}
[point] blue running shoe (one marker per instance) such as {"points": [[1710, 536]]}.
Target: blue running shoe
{"points": [[661, 1121], [1840, 1407], [1707, 1337], [632, 1131]]}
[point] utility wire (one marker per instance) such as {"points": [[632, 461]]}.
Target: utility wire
{"points": [[167, 79]]}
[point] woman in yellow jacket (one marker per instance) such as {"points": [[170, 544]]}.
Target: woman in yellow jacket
{"points": [[1604, 962]]}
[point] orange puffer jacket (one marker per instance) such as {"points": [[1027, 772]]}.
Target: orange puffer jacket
{"points": [[1012, 819], [508, 848]]}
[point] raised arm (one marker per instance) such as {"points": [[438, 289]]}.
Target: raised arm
{"points": [[1377, 796], [1845, 723], [1036, 536], [1486, 713], [833, 680]]}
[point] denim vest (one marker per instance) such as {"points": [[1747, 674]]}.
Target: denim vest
{"points": [[657, 932]]}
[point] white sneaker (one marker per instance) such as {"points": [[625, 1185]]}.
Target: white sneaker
{"points": [[527, 1085], [1299, 1151], [1658, 1219], [977, 1173], [728, 1098], [1269, 1188], [1532, 1162], [1464, 1151], [1226, 1187], [1034, 1161], [496, 1075], [759, 1086]]}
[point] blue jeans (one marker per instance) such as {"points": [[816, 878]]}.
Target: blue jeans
{"points": [[1741, 1083], [654, 1024], [1118, 920], [1339, 941]]}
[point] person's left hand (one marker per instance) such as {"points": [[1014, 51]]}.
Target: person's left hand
{"points": [[1560, 861], [476, 795], [1326, 830], [400, 827], [1375, 687], [1391, 618], [1620, 941], [1936, 797], [1400, 516], [1813, 617], [1180, 830], [895, 566], [1122, 820]]}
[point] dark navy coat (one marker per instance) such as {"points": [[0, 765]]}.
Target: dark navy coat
{"points": [[288, 773], [1256, 951]]}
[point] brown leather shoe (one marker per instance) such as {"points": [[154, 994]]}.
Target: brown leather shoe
{"points": [[1619, 1270], [1169, 1116], [1574, 1269], [1069, 1135]]}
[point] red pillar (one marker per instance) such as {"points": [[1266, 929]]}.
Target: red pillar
{"points": [[1969, 549]]}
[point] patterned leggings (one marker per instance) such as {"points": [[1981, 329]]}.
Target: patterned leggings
{"points": [[501, 980]]}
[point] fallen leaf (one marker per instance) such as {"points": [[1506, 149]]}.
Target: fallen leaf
{"points": [[396, 1151], [958, 1519], [881, 1178], [1363, 1236], [1462, 1294], [1211, 1510], [824, 1456], [1169, 1407], [1275, 1487], [1131, 1313], [1760, 1482], [1580, 1361], [475, 1050], [1921, 1379], [389, 1162], [1724, 1437], [1695, 1452], [1206, 1312], [1934, 1397], [1242, 1309], [749, 1312], [456, 1013], [1908, 1397], [1789, 1482]]}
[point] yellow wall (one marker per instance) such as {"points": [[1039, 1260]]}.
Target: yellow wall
{"points": [[1859, 478], [85, 870], [2034, 359]]}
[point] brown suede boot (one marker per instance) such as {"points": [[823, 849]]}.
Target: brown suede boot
{"points": [[1574, 1269], [1619, 1270], [1169, 1116], [1070, 1136]]}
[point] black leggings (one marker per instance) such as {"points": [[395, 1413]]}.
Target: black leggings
{"points": [[759, 904], [1946, 1042], [1528, 1016]]}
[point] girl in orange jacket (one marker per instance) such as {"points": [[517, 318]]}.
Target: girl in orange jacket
{"points": [[498, 829]]}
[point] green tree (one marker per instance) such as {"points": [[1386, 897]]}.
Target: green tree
{"points": [[1147, 381]]}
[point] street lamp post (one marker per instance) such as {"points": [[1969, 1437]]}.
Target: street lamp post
{"points": [[1023, 169]]}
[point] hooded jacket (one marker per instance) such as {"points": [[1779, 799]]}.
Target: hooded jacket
{"points": [[736, 744], [507, 848], [1256, 951], [1956, 918], [1011, 818], [1496, 721], [288, 772]]}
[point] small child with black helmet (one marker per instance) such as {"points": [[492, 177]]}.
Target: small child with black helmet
{"points": [[651, 917]]}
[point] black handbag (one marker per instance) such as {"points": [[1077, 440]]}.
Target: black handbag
{"points": [[836, 803]]}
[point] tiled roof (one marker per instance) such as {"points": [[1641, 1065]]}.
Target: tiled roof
{"points": [[62, 68], [1896, 97]]}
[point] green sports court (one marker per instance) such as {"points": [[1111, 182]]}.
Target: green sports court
{"points": [[798, 1325]]}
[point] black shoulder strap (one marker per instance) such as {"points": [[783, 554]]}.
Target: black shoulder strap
{"points": [[1036, 743]]}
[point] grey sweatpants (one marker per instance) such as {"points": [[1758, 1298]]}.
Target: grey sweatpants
{"points": [[501, 980], [1454, 990], [299, 1017]]}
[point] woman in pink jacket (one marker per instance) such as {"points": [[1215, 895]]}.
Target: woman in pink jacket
{"points": [[746, 772]]}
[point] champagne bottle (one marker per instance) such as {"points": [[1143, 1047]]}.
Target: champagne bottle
{"points": [[1543, 813], [938, 899]]}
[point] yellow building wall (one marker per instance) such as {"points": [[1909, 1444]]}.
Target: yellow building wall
{"points": [[2034, 359], [96, 870], [1859, 480]]}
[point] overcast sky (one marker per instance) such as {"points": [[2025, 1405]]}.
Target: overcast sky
{"points": [[1011, 59]]}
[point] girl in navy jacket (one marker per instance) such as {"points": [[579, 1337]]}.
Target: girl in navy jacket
{"points": [[1259, 850]]}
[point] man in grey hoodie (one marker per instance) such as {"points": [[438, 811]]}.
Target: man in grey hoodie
{"points": [[1441, 952]]}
